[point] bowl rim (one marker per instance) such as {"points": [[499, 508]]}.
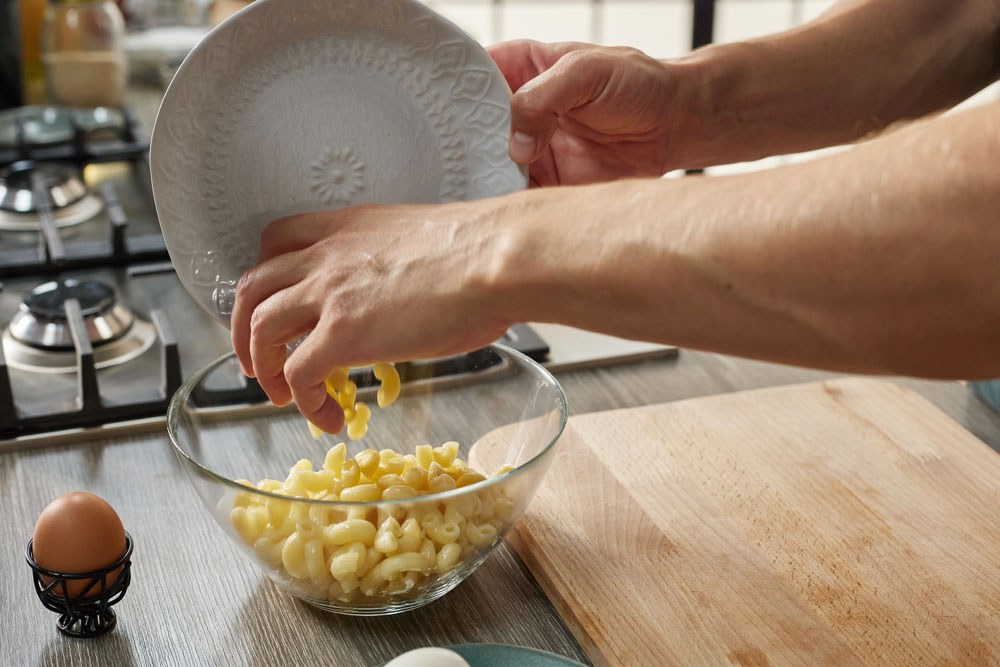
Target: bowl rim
{"points": [[174, 410]]}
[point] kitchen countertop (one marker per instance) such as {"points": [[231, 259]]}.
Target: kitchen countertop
{"points": [[195, 599]]}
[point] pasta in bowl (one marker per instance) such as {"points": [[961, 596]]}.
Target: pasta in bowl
{"points": [[392, 520]]}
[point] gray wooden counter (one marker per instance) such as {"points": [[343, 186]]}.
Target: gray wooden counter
{"points": [[195, 600]]}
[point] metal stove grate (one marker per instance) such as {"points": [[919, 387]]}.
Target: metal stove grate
{"points": [[78, 146], [91, 408]]}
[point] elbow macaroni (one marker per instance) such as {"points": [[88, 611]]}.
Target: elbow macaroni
{"points": [[345, 392], [360, 553]]}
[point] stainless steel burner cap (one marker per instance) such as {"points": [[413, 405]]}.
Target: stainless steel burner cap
{"points": [[63, 182], [41, 318]]}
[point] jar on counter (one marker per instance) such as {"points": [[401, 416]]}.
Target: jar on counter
{"points": [[84, 54]]}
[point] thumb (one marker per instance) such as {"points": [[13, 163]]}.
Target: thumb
{"points": [[577, 78]]}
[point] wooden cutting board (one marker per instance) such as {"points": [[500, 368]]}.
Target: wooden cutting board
{"points": [[840, 523]]}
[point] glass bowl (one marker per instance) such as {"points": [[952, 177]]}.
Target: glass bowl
{"points": [[282, 496]]}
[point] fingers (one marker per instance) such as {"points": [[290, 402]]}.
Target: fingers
{"points": [[523, 59], [279, 320], [254, 287], [574, 80], [295, 232], [515, 61], [306, 372]]}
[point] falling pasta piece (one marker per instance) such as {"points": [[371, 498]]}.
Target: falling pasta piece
{"points": [[389, 376], [356, 415]]}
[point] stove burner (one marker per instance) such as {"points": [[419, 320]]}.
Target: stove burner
{"points": [[139, 338], [64, 183], [71, 203], [39, 339], [41, 318], [48, 300]]}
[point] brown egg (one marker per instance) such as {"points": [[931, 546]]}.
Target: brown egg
{"points": [[78, 533]]}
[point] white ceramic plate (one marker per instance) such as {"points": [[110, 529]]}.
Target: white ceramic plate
{"points": [[303, 105]]}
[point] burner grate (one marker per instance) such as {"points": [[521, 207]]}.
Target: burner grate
{"points": [[52, 255], [91, 408], [79, 143]]}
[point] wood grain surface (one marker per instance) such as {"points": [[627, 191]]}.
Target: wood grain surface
{"points": [[848, 522], [195, 600]]}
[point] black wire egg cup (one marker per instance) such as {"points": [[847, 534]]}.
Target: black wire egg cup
{"points": [[88, 613]]}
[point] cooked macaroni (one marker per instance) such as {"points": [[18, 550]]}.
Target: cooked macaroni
{"points": [[354, 554], [345, 392]]}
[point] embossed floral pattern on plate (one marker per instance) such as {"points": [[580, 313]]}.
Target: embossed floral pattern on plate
{"points": [[301, 105]]}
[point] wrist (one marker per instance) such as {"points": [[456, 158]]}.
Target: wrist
{"points": [[554, 253], [714, 95], [535, 240]]}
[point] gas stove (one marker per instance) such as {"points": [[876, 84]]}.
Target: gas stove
{"points": [[98, 332]]}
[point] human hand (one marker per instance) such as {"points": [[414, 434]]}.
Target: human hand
{"points": [[583, 113], [367, 283]]}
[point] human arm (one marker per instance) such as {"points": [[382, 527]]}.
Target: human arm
{"points": [[874, 260], [881, 259], [591, 114], [856, 69]]}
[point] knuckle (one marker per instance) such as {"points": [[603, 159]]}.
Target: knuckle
{"points": [[258, 323], [272, 232], [276, 227], [578, 58], [624, 51], [245, 283], [296, 373]]}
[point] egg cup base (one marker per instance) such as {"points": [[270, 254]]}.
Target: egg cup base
{"points": [[87, 614]]}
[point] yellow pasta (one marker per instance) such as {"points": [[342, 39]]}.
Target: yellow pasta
{"points": [[392, 566], [425, 456], [347, 560], [389, 377], [361, 493], [411, 536], [315, 562], [368, 462], [415, 478], [445, 454], [277, 510], [480, 535], [351, 530], [268, 549], [243, 525], [445, 532], [269, 485], [293, 556], [345, 392], [387, 480], [440, 483], [351, 473], [469, 478], [447, 558], [351, 553], [335, 458], [398, 492], [358, 424]]}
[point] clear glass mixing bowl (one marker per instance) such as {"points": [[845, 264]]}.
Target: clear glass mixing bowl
{"points": [[379, 556]]}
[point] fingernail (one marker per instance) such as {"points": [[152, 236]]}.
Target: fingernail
{"points": [[522, 147]]}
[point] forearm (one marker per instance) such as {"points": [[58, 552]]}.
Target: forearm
{"points": [[882, 259], [856, 69]]}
